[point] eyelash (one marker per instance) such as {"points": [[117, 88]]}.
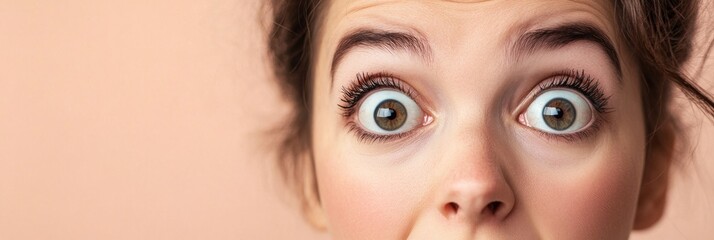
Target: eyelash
{"points": [[583, 83], [573, 79], [364, 84]]}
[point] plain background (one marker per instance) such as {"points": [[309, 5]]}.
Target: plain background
{"points": [[147, 120]]}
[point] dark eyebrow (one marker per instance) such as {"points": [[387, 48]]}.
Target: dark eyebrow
{"points": [[388, 40], [561, 36]]}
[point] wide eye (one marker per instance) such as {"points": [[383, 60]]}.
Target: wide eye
{"points": [[559, 111], [389, 112]]}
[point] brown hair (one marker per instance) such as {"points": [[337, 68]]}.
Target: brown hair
{"points": [[658, 32]]}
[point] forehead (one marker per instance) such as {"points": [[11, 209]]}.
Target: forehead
{"points": [[351, 6], [456, 25], [437, 17]]}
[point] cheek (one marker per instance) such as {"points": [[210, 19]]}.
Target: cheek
{"points": [[361, 202], [597, 198], [366, 194], [599, 203]]}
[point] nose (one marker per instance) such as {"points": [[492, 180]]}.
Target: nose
{"points": [[478, 199], [476, 188]]}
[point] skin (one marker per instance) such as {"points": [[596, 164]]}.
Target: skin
{"points": [[474, 151]]}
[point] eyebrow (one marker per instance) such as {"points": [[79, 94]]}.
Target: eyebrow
{"points": [[560, 36], [526, 44], [387, 40]]}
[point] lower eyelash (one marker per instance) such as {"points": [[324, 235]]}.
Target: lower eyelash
{"points": [[368, 137], [590, 88], [364, 84], [584, 134], [572, 79]]}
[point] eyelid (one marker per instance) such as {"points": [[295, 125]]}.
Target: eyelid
{"points": [[575, 98], [366, 84], [573, 79]]}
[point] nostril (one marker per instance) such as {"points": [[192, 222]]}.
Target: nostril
{"points": [[493, 207], [451, 208]]}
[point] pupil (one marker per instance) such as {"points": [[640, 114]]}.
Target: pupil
{"points": [[559, 114], [390, 115]]}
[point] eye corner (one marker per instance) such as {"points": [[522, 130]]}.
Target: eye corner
{"points": [[521, 118]]}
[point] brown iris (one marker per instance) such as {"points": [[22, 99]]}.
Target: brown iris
{"points": [[390, 115], [559, 114]]}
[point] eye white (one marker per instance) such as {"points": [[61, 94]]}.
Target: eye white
{"points": [[583, 111], [372, 101]]}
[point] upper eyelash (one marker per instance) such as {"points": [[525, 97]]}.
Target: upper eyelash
{"points": [[585, 84], [590, 88], [364, 84], [572, 79]]}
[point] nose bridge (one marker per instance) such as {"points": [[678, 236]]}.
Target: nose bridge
{"points": [[470, 156], [471, 145], [474, 164], [474, 187]]}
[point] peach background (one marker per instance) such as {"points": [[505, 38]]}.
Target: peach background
{"points": [[146, 120]]}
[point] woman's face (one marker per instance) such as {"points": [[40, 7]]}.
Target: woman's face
{"points": [[476, 119]]}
